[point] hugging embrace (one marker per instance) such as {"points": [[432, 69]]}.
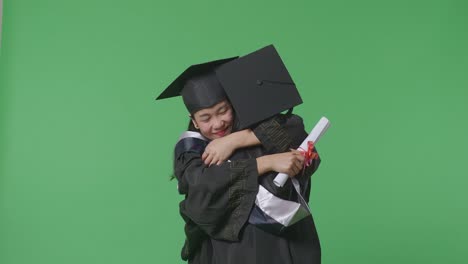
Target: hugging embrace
{"points": [[238, 139]]}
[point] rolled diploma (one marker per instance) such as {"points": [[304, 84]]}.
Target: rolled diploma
{"points": [[314, 136]]}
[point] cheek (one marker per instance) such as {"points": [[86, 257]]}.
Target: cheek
{"points": [[204, 127], [228, 118]]}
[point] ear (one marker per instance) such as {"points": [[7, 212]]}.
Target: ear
{"points": [[194, 122]]}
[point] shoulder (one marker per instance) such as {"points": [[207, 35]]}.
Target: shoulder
{"points": [[192, 142], [289, 118], [294, 125]]}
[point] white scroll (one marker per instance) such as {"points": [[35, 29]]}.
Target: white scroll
{"points": [[314, 136]]}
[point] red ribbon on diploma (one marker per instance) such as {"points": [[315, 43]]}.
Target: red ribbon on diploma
{"points": [[309, 154]]}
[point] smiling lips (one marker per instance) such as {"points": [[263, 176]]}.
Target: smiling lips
{"points": [[221, 133]]}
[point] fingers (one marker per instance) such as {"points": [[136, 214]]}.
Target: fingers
{"points": [[297, 162], [293, 169], [208, 160], [295, 151], [300, 157], [211, 159], [298, 154], [290, 163], [297, 166], [214, 161]]}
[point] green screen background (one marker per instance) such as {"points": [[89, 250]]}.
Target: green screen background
{"points": [[86, 152]]}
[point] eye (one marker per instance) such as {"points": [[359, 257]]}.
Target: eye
{"points": [[223, 110]]}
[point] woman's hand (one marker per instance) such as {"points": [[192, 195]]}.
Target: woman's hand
{"points": [[290, 163], [219, 150]]}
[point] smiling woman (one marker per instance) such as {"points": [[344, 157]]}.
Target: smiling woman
{"points": [[214, 122]]}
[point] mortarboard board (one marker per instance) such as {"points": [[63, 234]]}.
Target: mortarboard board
{"points": [[198, 86], [258, 86]]}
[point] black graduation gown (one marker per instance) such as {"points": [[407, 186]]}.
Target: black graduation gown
{"points": [[218, 201]]}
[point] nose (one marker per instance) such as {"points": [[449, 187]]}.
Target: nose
{"points": [[218, 124]]}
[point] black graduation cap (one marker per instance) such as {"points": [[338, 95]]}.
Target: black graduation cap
{"points": [[258, 86], [175, 88]]}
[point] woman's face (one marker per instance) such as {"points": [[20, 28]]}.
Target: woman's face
{"points": [[214, 122]]}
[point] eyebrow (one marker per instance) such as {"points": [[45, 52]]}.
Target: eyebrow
{"points": [[225, 105]]}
